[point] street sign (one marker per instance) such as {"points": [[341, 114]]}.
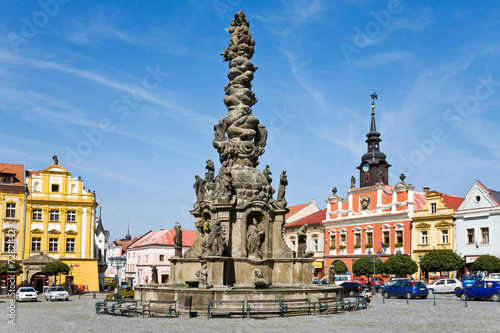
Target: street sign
{"points": [[348, 273]]}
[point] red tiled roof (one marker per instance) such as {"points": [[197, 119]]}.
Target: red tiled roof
{"points": [[295, 209], [419, 199], [165, 237], [30, 173], [14, 169], [314, 218], [452, 201]]}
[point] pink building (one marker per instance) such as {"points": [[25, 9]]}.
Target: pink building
{"points": [[154, 248]]}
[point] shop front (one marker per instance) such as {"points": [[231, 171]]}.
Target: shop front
{"points": [[318, 269]]}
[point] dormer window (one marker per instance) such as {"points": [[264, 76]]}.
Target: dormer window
{"points": [[7, 179], [55, 187]]}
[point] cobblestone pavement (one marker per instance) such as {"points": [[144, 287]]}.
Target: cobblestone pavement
{"points": [[78, 315]]}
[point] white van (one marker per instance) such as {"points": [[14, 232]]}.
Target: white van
{"points": [[342, 278]]}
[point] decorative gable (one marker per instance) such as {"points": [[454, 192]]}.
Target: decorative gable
{"points": [[479, 196]]}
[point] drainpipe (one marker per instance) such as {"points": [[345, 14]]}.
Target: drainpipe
{"points": [[24, 219]]}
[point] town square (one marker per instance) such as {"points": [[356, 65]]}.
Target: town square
{"points": [[250, 166]]}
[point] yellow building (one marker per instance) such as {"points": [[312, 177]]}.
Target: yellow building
{"points": [[61, 217], [12, 212], [433, 227]]}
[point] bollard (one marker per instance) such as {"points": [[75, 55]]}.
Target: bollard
{"points": [[465, 293], [434, 296], [407, 297], [498, 293], [383, 298], [79, 295], [94, 294]]}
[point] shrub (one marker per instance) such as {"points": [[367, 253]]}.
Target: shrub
{"points": [[332, 247]]}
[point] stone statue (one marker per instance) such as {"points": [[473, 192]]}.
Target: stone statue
{"points": [[379, 176], [202, 275], [353, 181], [402, 177], [255, 237], [178, 240], [267, 173], [223, 182], [154, 274], [258, 278], [334, 191], [302, 241], [247, 137], [215, 238], [331, 275], [281, 189], [56, 160], [210, 174], [199, 188]]}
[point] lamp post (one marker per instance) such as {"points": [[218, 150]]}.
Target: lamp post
{"points": [[374, 257], [419, 270], [71, 281], [118, 262]]}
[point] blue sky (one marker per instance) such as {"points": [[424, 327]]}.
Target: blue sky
{"points": [[126, 93]]}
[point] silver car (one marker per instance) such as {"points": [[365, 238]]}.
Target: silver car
{"points": [[26, 294], [446, 285], [55, 293]]}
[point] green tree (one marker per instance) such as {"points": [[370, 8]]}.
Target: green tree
{"points": [[55, 268], [400, 265], [340, 267], [364, 266], [13, 266], [486, 263], [441, 261]]}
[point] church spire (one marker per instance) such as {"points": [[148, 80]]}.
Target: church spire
{"points": [[373, 168], [127, 236]]}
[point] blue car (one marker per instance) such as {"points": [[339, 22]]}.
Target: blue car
{"points": [[481, 289], [467, 280], [406, 289]]}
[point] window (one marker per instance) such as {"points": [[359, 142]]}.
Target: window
{"points": [[444, 237], [470, 236], [162, 257], [36, 244], [369, 238], [433, 208], [399, 236], [315, 244], [52, 244], [7, 179], [423, 237], [55, 187], [71, 216], [37, 214], [70, 245], [485, 235], [357, 238], [10, 210], [9, 245], [342, 240], [54, 215], [387, 239], [333, 241]]}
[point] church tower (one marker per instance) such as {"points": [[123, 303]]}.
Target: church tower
{"points": [[373, 168]]}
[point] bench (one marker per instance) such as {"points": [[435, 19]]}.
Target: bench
{"points": [[264, 306], [126, 306], [160, 306], [358, 303], [325, 303], [297, 305], [225, 307], [106, 306]]}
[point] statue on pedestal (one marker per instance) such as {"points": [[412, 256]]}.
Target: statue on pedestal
{"points": [[178, 240], [281, 189], [255, 235], [202, 275], [210, 174], [301, 240], [154, 274], [199, 188], [331, 275]]}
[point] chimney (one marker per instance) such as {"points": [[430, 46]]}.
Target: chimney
{"points": [[426, 189], [313, 201]]}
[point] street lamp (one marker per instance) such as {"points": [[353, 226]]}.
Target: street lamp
{"points": [[374, 257], [71, 281], [118, 262], [419, 270]]}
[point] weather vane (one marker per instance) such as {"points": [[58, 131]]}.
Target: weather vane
{"points": [[374, 96]]}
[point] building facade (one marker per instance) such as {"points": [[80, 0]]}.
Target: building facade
{"points": [[154, 249], [60, 223], [478, 224], [433, 227], [315, 240]]}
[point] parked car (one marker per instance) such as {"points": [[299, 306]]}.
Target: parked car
{"points": [[339, 278], [407, 289], [360, 280], [353, 288], [56, 292], [26, 294], [467, 280], [447, 285], [493, 276], [378, 282], [321, 281], [480, 289], [399, 279]]}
